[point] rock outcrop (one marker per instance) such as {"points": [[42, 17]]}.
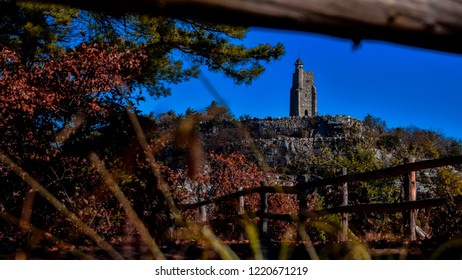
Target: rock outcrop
{"points": [[281, 141]]}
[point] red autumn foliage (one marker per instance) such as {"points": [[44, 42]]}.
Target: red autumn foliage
{"points": [[228, 173], [36, 103]]}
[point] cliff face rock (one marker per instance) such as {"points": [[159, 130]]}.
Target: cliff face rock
{"points": [[281, 141], [321, 126]]}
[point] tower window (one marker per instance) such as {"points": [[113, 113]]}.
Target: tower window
{"points": [[306, 112]]}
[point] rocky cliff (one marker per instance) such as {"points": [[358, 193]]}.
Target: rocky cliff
{"points": [[281, 141]]}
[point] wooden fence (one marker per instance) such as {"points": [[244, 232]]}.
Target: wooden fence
{"points": [[408, 207]]}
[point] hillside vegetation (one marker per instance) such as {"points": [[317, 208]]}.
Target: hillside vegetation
{"points": [[206, 155]]}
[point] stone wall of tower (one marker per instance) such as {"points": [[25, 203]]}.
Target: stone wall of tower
{"points": [[303, 97], [307, 103]]}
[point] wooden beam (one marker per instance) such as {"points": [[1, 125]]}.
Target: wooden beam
{"points": [[387, 207], [410, 194], [361, 177], [430, 24], [344, 232], [382, 173], [238, 194], [363, 208], [263, 211]]}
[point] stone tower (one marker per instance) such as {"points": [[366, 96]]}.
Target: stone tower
{"points": [[303, 100]]}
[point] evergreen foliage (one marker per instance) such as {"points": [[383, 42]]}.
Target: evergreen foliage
{"points": [[177, 49]]}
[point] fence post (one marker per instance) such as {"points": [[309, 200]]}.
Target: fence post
{"points": [[203, 208], [263, 211], [241, 212], [203, 214], [344, 234], [302, 212], [410, 194], [241, 203]]}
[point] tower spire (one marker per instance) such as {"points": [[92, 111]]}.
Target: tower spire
{"points": [[299, 64], [303, 99]]}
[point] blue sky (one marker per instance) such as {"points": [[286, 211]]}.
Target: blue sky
{"points": [[401, 85]]}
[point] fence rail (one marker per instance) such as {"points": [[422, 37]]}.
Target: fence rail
{"points": [[385, 173], [409, 206]]}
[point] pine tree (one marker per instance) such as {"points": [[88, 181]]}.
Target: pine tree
{"points": [[36, 32], [176, 48]]}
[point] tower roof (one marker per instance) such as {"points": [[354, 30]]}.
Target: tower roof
{"points": [[299, 62]]}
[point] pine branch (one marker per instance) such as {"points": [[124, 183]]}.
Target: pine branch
{"points": [[430, 24]]}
